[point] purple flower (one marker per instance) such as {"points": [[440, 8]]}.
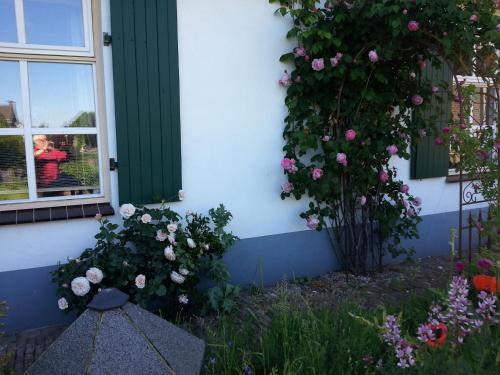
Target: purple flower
{"points": [[334, 62], [318, 64], [438, 141], [392, 337], [392, 150], [458, 313], [487, 309], [459, 266], [287, 187], [417, 100], [338, 56], [372, 55], [485, 264], [286, 80]]}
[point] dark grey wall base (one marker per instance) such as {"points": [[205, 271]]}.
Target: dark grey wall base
{"points": [[262, 261]]}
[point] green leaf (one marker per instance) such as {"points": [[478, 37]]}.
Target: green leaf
{"points": [[287, 57]]}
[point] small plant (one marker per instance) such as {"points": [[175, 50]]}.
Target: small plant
{"points": [[157, 256]]}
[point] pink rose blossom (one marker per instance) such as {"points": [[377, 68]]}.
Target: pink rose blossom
{"points": [[445, 34], [383, 176], [473, 18], [435, 90], [289, 165], [312, 222], [372, 56], [316, 173], [417, 100], [362, 200], [485, 264], [446, 130], [342, 159], [417, 201], [286, 80], [338, 56], [405, 12], [459, 267], [325, 138], [334, 62], [392, 150], [438, 141], [413, 26], [405, 189], [300, 51], [318, 64], [350, 135], [463, 126], [287, 187]]}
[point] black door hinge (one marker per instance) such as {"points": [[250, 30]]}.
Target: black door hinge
{"points": [[107, 39], [113, 164]]}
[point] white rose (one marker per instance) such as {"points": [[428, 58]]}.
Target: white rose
{"points": [[169, 253], [127, 210], [146, 218], [161, 235], [183, 271], [172, 227], [183, 299], [140, 281], [191, 243], [182, 195], [177, 278], [80, 286], [94, 275], [206, 247], [62, 303]]}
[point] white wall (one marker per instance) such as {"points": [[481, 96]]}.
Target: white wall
{"points": [[232, 112]]}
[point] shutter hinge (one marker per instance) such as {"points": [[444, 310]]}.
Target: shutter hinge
{"points": [[107, 39], [113, 164]]}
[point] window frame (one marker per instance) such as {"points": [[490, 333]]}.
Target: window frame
{"points": [[41, 49], [96, 62]]}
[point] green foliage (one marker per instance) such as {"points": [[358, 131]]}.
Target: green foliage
{"points": [[198, 244], [373, 98], [342, 340], [223, 298], [4, 358]]}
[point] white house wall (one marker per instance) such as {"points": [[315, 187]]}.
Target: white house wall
{"points": [[232, 112]]}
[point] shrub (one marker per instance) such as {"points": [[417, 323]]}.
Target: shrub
{"points": [[154, 256], [4, 358]]}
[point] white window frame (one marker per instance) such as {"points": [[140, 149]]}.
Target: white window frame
{"points": [[54, 56], [40, 49]]}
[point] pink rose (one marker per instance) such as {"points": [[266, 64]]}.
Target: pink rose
{"points": [[446, 130], [383, 176], [372, 55], [445, 34], [300, 51], [286, 80], [325, 138], [298, 79], [318, 64], [422, 65], [435, 90], [334, 62], [362, 200], [338, 56], [463, 126], [289, 165], [287, 187], [317, 173], [411, 212], [350, 135], [312, 222], [392, 150], [405, 12], [438, 141], [413, 26], [342, 159], [473, 18], [404, 189], [417, 201], [417, 100], [459, 266]]}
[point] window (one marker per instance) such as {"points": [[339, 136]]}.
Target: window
{"points": [[52, 148]]}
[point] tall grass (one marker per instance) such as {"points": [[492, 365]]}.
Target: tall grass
{"points": [[301, 340]]}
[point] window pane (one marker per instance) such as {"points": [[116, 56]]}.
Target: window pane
{"points": [[8, 31], [62, 95], [10, 95], [66, 165], [13, 180], [54, 22]]}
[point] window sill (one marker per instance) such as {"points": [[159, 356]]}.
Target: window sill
{"points": [[454, 178], [36, 215]]}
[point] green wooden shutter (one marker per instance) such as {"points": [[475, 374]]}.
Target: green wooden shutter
{"points": [[146, 85], [427, 159]]}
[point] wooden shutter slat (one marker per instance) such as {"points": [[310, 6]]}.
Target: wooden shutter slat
{"points": [[145, 62]]}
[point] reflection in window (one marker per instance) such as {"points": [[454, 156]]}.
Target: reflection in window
{"points": [[8, 29], [62, 95], [54, 22], [10, 95], [66, 164], [13, 180]]}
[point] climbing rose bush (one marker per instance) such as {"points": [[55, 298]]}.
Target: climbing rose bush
{"points": [[158, 254], [356, 97]]}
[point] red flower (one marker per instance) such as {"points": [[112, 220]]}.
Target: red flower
{"points": [[440, 332], [485, 283]]}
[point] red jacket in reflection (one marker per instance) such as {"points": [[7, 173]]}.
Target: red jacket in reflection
{"points": [[47, 169]]}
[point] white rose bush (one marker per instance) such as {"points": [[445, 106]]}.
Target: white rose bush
{"points": [[156, 257]]}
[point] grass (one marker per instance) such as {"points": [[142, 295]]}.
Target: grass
{"points": [[329, 340]]}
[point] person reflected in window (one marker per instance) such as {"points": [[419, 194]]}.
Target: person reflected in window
{"points": [[48, 159]]}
